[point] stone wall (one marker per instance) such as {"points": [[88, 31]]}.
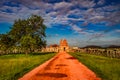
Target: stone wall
{"points": [[109, 52]]}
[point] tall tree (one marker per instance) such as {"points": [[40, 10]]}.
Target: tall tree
{"points": [[28, 33]]}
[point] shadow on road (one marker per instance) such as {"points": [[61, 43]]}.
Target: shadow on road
{"points": [[61, 65], [56, 75], [71, 58]]}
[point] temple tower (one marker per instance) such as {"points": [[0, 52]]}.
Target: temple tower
{"points": [[63, 45]]}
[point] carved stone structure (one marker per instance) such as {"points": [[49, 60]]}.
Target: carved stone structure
{"points": [[63, 46]]}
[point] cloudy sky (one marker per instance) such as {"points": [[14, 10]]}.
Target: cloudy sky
{"points": [[81, 22]]}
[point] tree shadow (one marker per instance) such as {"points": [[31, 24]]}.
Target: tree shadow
{"points": [[48, 66], [55, 75], [61, 65], [71, 58]]}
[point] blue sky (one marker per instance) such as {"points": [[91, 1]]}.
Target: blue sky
{"points": [[81, 22]]}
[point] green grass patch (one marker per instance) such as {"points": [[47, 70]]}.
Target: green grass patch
{"points": [[13, 66], [104, 67]]}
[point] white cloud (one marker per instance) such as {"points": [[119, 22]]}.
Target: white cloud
{"points": [[118, 30], [78, 29], [96, 17], [7, 17], [112, 7], [101, 2], [62, 5], [84, 3], [54, 13]]}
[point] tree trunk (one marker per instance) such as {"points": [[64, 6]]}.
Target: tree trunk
{"points": [[26, 52]]}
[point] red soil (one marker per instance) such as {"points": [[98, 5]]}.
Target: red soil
{"points": [[61, 67]]}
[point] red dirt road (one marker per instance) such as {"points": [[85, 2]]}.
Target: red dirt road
{"points": [[61, 67]]}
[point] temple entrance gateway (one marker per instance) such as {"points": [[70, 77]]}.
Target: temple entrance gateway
{"points": [[63, 45]]}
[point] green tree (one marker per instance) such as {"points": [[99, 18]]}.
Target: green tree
{"points": [[28, 43], [29, 34]]}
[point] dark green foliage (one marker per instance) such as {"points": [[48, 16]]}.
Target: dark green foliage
{"points": [[5, 42]]}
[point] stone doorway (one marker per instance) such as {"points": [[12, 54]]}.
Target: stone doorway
{"points": [[64, 49]]}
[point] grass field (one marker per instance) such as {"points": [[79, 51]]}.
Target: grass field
{"points": [[104, 67], [13, 66]]}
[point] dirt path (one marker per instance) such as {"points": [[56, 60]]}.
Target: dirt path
{"points": [[61, 67]]}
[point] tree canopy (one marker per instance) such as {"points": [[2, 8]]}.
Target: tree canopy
{"points": [[29, 34]]}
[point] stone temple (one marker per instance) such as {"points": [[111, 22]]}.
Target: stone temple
{"points": [[63, 46]]}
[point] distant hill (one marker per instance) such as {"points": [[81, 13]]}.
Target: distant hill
{"points": [[92, 46], [95, 46], [113, 46]]}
